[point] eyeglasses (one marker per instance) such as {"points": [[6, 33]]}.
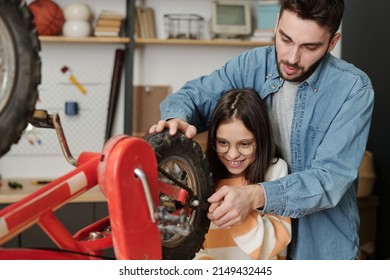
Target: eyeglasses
{"points": [[245, 148]]}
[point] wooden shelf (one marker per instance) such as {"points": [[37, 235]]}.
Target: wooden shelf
{"points": [[91, 39], [151, 41]]}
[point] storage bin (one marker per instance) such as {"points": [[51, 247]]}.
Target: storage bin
{"points": [[183, 26]]}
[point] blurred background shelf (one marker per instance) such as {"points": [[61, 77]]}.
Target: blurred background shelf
{"points": [[152, 41], [90, 39]]}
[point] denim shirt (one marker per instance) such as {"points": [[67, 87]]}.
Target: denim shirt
{"points": [[330, 126]]}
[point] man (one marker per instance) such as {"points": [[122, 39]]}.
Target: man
{"points": [[320, 108]]}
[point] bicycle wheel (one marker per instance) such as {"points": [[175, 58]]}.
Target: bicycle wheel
{"points": [[183, 160], [20, 70]]}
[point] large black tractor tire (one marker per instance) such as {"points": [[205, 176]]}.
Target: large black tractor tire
{"points": [[184, 160], [20, 70]]}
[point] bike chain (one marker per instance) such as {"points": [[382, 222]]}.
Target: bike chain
{"points": [[176, 181], [201, 204]]}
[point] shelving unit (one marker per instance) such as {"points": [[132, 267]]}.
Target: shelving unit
{"points": [[145, 41], [96, 40], [151, 41], [130, 43]]}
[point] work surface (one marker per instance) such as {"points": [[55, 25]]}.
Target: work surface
{"points": [[10, 195]]}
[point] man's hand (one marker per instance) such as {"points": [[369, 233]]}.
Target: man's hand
{"points": [[231, 205], [174, 125]]}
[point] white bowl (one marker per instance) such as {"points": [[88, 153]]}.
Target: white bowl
{"points": [[76, 28], [77, 11]]}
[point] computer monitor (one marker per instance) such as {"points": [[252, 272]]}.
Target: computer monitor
{"points": [[231, 18]]}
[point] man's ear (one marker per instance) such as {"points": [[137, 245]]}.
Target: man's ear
{"points": [[334, 41]]}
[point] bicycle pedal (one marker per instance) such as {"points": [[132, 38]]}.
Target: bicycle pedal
{"points": [[41, 118]]}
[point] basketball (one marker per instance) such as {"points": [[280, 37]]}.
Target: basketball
{"points": [[48, 17]]}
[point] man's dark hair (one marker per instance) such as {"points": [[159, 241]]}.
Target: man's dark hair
{"points": [[327, 13]]}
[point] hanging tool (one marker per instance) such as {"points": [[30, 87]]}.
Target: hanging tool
{"points": [[73, 79]]}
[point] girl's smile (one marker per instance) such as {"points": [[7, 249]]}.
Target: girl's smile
{"points": [[233, 134]]}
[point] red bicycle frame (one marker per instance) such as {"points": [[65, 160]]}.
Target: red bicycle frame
{"points": [[127, 174]]}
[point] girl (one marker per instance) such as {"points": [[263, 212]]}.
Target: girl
{"points": [[241, 151]]}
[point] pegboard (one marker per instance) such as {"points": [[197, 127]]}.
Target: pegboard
{"points": [[84, 131]]}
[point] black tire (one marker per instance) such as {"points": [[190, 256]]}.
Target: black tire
{"points": [[179, 151], [20, 70]]}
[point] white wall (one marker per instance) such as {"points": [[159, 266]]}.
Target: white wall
{"points": [[153, 65]]}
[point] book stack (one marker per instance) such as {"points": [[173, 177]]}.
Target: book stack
{"points": [[145, 25], [109, 23], [263, 36]]}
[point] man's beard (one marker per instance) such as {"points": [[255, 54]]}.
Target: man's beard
{"points": [[306, 74]]}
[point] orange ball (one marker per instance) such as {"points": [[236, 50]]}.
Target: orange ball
{"points": [[48, 17]]}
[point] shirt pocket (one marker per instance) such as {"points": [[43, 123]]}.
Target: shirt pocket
{"points": [[317, 133]]}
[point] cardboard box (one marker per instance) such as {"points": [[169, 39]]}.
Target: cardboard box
{"points": [[146, 107]]}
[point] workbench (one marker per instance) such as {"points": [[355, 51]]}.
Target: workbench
{"points": [[75, 215]]}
